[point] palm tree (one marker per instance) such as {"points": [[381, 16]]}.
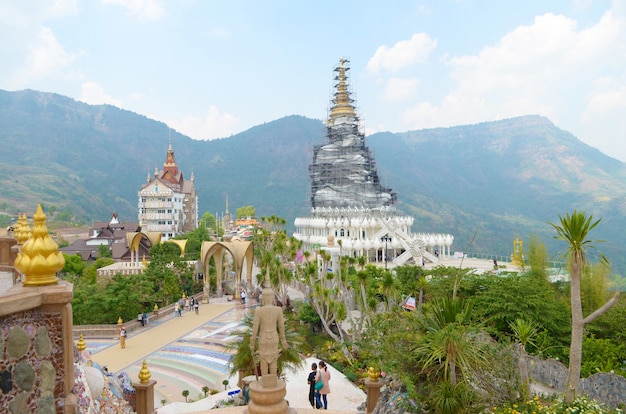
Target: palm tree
{"points": [[524, 332], [387, 286], [574, 229], [450, 350], [185, 394]]}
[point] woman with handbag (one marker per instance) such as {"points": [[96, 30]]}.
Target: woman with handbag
{"points": [[322, 385]]}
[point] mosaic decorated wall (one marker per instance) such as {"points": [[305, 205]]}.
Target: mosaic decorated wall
{"points": [[36, 351]]}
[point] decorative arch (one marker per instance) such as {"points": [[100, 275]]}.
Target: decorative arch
{"points": [[242, 253], [180, 243], [134, 238]]}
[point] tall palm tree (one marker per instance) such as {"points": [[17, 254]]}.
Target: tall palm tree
{"points": [[574, 229], [525, 333]]}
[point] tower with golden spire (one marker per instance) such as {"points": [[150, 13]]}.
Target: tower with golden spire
{"points": [[349, 204]]}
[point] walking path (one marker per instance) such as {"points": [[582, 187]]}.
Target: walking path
{"points": [[154, 337], [189, 353]]}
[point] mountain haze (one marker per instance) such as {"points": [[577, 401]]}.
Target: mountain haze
{"points": [[500, 180]]}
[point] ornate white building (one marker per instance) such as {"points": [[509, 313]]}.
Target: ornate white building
{"points": [[168, 204], [348, 201]]}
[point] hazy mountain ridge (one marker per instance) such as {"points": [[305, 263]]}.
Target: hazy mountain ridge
{"points": [[502, 179]]}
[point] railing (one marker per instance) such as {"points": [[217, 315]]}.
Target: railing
{"points": [[504, 259]]}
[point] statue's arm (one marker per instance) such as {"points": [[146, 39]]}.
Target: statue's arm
{"points": [[281, 329], [255, 331]]}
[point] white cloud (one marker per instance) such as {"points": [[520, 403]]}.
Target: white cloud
{"points": [[402, 54], [215, 124], [93, 94], [399, 89], [608, 98], [546, 68], [47, 56], [146, 10]]}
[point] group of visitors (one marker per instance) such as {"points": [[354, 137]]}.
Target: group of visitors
{"points": [[142, 318], [187, 304], [319, 387]]}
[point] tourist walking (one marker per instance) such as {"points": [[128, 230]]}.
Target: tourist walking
{"points": [[323, 374], [123, 335], [196, 307], [243, 296], [140, 319], [311, 382]]}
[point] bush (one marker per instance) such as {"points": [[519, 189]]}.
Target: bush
{"points": [[581, 405]]}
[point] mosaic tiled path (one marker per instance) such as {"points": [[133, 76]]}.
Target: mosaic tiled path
{"points": [[179, 357]]}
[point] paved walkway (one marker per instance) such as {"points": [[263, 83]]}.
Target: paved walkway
{"points": [[188, 353], [150, 339]]}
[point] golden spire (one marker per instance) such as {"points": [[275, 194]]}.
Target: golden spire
{"points": [[342, 104], [39, 259], [144, 373], [81, 344], [22, 230]]}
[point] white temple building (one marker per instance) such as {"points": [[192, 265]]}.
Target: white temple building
{"points": [[349, 203]]}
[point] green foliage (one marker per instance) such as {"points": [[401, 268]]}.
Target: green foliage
{"points": [[246, 211], [537, 257], [104, 301], [194, 242], [104, 251], [74, 266], [602, 355], [581, 405], [307, 314], [499, 301]]}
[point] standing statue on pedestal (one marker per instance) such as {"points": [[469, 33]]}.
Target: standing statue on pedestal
{"points": [[267, 326]]}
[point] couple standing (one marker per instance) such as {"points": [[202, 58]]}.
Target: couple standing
{"points": [[318, 397]]}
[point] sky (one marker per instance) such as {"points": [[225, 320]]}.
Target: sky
{"points": [[211, 69]]}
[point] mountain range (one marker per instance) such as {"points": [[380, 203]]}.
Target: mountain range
{"points": [[486, 183]]}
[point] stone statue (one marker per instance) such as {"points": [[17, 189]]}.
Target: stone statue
{"points": [[267, 326]]}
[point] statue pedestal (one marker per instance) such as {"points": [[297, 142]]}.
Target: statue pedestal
{"points": [[373, 394], [268, 400]]}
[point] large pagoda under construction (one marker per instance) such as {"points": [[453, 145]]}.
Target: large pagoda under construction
{"points": [[349, 204]]}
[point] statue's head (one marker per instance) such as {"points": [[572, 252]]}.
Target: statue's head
{"points": [[268, 296]]}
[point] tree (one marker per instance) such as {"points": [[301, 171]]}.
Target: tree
{"points": [[185, 394], [524, 332], [450, 352], [537, 256], [104, 251], [208, 222], [225, 384], [246, 211], [205, 390], [574, 229]]}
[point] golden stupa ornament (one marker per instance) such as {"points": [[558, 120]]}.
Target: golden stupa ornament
{"points": [[39, 259], [373, 374], [81, 344], [22, 230], [144, 373]]}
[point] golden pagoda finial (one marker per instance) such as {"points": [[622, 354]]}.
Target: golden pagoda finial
{"points": [[39, 259], [81, 344], [22, 230], [342, 104], [144, 373]]}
